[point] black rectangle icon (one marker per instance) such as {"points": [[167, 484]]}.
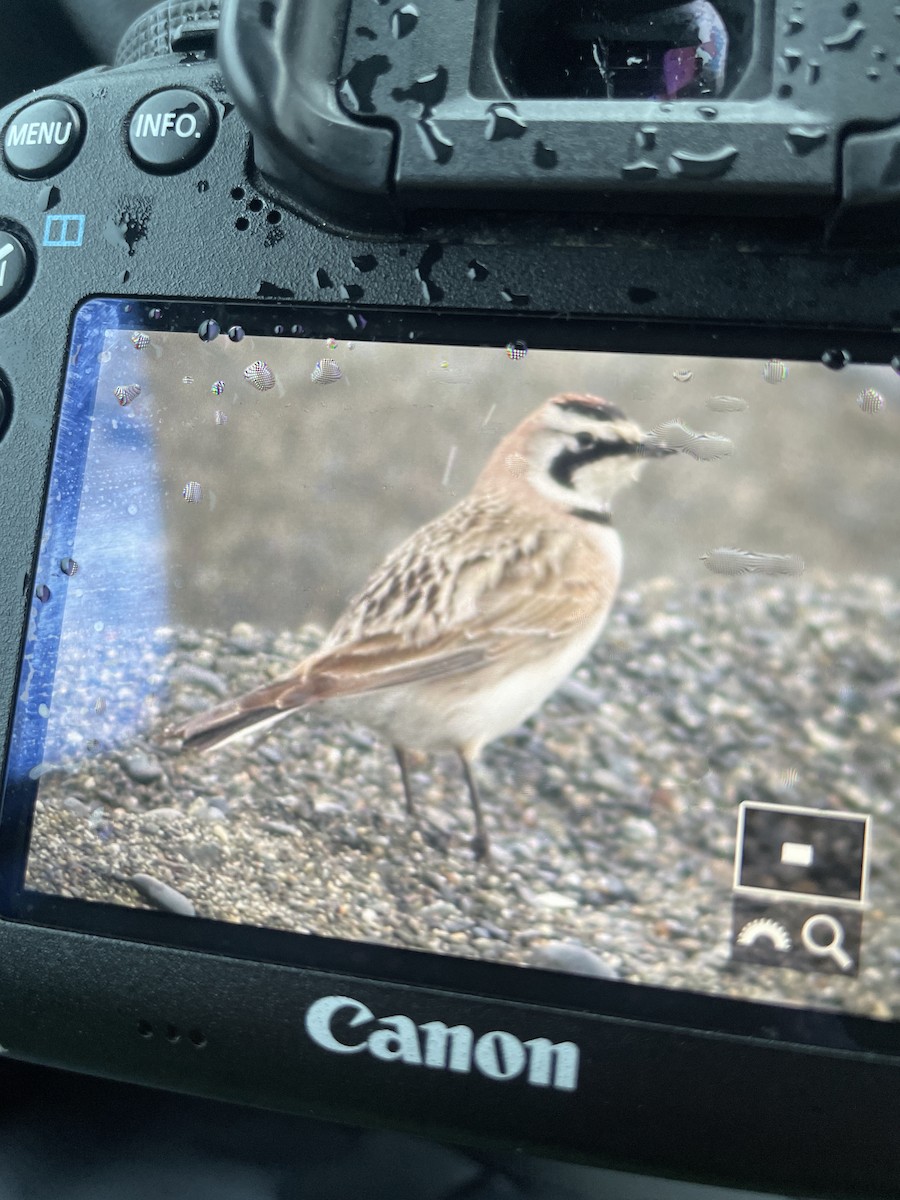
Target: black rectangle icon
{"points": [[784, 850]]}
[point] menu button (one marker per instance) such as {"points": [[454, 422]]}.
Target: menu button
{"points": [[43, 138]]}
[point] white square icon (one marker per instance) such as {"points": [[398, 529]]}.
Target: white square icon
{"points": [[797, 854]]}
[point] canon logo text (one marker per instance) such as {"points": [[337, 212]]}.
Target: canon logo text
{"points": [[497, 1055]]}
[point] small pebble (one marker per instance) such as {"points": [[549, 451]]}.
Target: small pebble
{"points": [[574, 959], [162, 895], [142, 768]]}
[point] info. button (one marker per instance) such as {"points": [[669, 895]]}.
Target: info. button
{"points": [[43, 138], [171, 130]]}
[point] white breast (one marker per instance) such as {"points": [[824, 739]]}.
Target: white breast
{"points": [[467, 712]]}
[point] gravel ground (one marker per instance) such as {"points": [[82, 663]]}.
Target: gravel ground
{"points": [[612, 812]]}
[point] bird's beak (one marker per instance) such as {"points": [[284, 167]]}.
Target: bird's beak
{"points": [[651, 448]]}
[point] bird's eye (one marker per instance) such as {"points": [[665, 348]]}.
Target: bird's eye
{"points": [[584, 439]]}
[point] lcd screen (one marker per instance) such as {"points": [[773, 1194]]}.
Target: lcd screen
{"points": [[581, 660]]}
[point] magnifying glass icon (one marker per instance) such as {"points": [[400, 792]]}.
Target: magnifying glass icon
{"points": [[812, 935]]}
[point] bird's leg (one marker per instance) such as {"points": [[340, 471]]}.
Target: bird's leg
{"points": [[481, 846], [404, 774]]}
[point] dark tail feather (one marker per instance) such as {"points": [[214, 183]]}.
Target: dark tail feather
{"points": [[257, 709], [204, 732]]}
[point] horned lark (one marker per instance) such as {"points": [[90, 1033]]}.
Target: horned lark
{"points": [[471, 623]]}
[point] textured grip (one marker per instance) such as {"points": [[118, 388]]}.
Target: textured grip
{"points": [[152, 34]]}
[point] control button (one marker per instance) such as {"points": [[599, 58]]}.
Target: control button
{"points": [[796, 934], [171, 130], [784, 851], [13, 269], [43, 138]]}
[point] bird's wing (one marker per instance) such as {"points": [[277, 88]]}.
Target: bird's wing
{"points": [[467, 589]]}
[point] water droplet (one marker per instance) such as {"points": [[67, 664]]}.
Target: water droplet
{"points": [[236, 333], [44, 711], [708, 112], [140, 340], [727, 560], [155, 314], [645, 138], [511, 297], [192, 492], [278, 330], [802, 139], [428, 90], [792, 60], [364, 262], [359, 83], [104, 356], [503, 121], [100, 705], [775, 371], [326, 370], [794, 25], [364, 31], [713, 165], [835, 359], [544, 157], [516, 350], [68, 566], [642, 169], [726, 404], [704, 447], [683, 375], [208, 331], [127, 393], [221, 417], [477, 271], [132, 510], [218, 387], [895, 363], [42, 592], [404, 20], [641, 295], [432, 254], [260, 375], [444, 364], [351, 292], [296, 329], [813, 72], [322, 278], [436, 144], [356, 321], [870, 401], [846, 39]]}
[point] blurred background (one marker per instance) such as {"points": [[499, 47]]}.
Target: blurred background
{"points": [[305, 487]]}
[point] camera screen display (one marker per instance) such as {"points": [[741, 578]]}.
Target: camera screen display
{"points": [[582, 660]]}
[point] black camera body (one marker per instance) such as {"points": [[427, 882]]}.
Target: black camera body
{"points": [[390, 167]]}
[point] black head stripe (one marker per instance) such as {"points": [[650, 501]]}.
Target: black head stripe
{"points": [[606, 412], [567, 462]]}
